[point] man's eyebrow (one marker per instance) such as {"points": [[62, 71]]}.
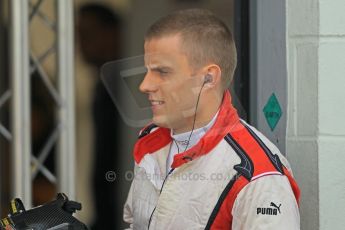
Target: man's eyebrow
{"points": [[160, 68]]}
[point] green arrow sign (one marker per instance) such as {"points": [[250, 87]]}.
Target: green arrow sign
{"points": [[272, 111]]}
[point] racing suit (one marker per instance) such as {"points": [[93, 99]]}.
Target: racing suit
{"points": [[233, 178]]}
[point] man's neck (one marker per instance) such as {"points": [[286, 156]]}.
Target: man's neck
{"points": [[204, 115]]}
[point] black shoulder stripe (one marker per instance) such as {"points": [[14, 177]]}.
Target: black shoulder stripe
{"points": [[274, 158], [147, 130], [221, 200], [246, 167]]}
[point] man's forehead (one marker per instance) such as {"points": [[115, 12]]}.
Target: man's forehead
{"points": [[159, 59]]}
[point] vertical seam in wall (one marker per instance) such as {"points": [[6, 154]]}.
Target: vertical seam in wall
{"points": [[318, 112], [286, 77], [291, 49], [294, 77]]}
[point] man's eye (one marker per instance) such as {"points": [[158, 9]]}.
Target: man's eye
{"points": [[162, 72]]}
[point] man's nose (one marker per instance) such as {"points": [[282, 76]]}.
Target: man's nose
{"points": [[148, 84]]}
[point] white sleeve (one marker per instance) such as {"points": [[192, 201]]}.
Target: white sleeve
{"points": [[128, 210], [266, 203]]}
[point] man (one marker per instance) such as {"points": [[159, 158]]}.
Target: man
{"points": [[198, 166]]}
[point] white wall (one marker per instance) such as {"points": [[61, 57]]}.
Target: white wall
{"points": [[316, 105], [332, 114]]}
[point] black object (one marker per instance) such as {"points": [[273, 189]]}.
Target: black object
{"points": [[55, 215]]}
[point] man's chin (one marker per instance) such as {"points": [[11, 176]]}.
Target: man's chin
{"points": [[160, 121]]}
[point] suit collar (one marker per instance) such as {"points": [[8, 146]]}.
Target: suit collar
{"points": [[161, 137]]}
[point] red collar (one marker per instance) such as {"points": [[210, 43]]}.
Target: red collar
{"points": [[226, 119]]}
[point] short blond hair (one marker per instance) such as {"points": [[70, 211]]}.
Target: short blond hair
{"points": [[205, 38]]}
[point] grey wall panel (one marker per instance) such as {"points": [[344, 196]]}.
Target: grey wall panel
{"points": [[268, 65]]}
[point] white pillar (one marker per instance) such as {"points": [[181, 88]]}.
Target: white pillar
{"points": [[65, 59], [20, 84]]}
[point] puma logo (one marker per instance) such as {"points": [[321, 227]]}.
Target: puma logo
{"points": [[269, 211]]}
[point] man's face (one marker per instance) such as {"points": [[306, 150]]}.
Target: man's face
{"points": [[170, 83]]}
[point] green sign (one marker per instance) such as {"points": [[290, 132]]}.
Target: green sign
{"points": [[272, 111]]}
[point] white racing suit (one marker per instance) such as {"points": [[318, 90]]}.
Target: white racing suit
{"points": [[233, 178]]}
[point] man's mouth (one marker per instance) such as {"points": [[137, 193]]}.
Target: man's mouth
{"points": [[156, 102]]}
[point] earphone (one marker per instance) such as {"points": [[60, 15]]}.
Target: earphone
{"points": [[208, 78]]}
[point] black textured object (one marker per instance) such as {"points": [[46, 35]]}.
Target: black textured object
{"points": [[55, 215]]}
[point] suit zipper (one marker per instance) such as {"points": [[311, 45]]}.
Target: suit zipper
{"points": [[171, 170]]}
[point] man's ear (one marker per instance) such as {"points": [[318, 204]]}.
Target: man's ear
{"points": [[212, 75]]}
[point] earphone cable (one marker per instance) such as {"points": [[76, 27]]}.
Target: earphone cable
{"points": [[196, 108]]}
